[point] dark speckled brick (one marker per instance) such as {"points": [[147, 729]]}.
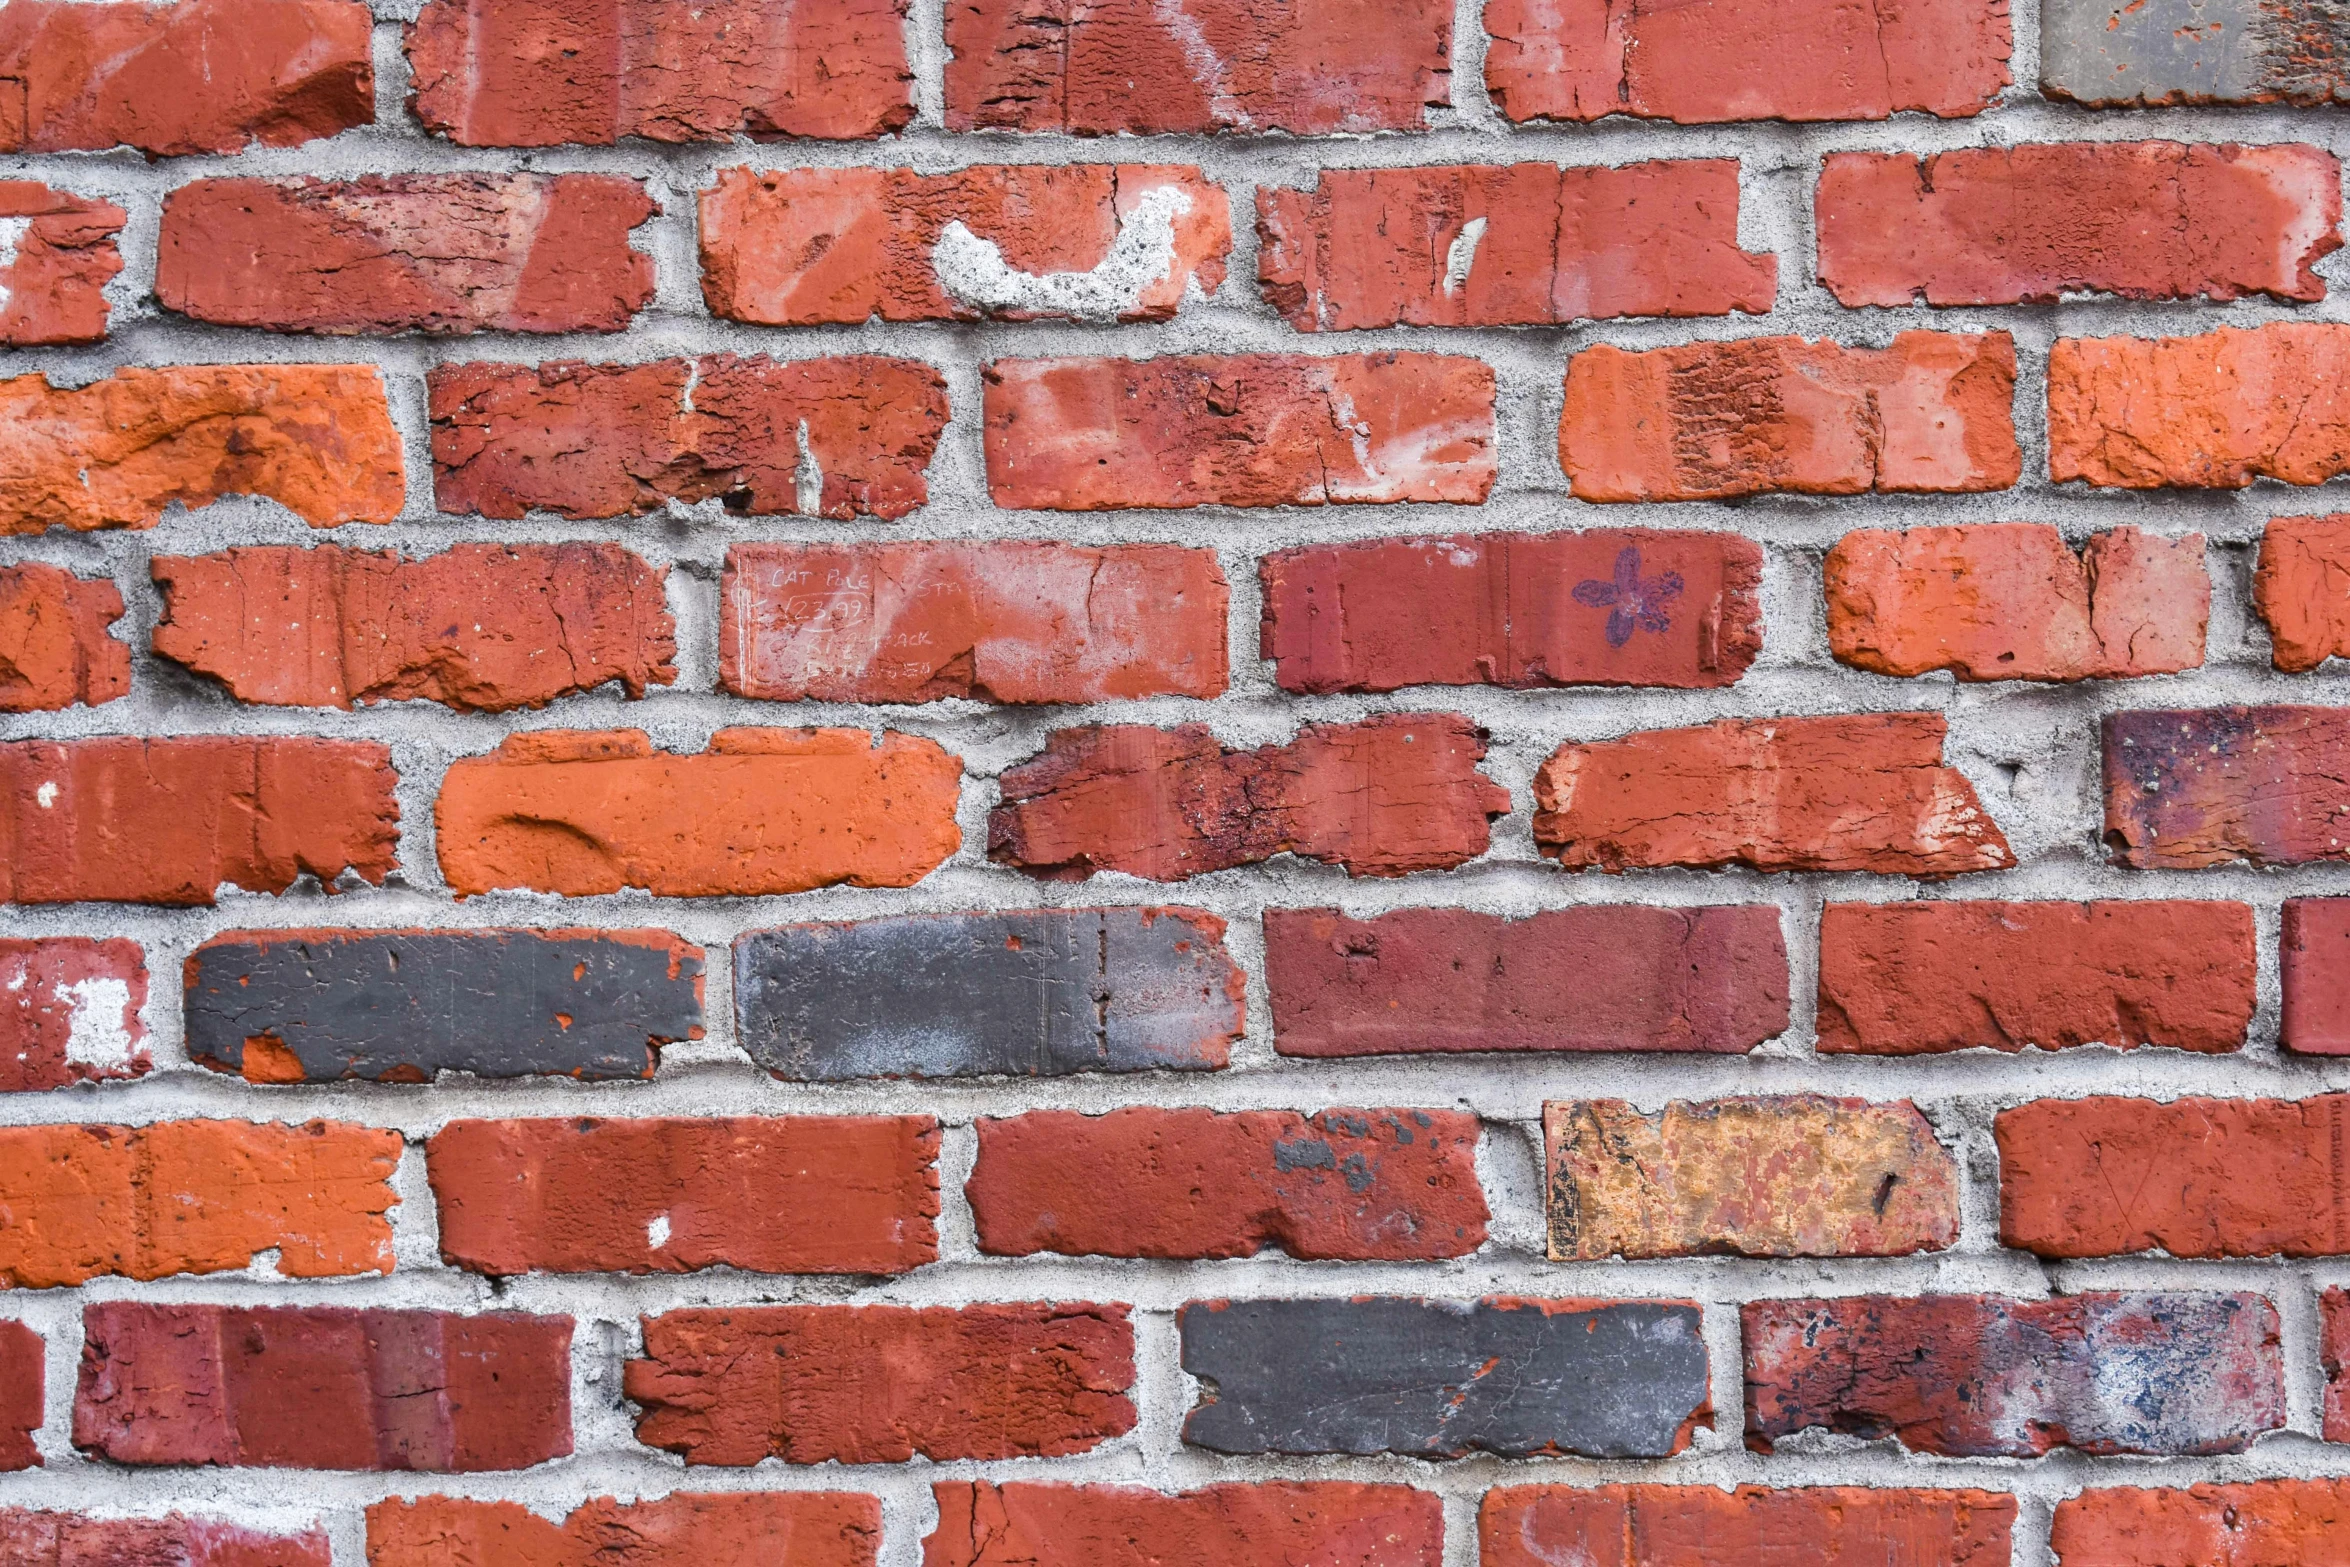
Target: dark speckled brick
{"points": [[1439, 1379], [2210, 786], [308, 1006], [1035, 993]]}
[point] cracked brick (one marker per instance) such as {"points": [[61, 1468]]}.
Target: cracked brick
{"points": [[2215, 411], [57, 254], [55, 650]]}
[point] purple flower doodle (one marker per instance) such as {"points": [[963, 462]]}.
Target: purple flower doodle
{"points": [[1632, 602]]}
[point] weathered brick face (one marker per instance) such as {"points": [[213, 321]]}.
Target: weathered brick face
{"points": [[1164, 783]]}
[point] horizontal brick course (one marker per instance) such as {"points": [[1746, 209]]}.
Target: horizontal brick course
{"points": [[984, 1523], [818, 1528]]}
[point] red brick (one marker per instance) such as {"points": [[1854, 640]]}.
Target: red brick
{"points": [[1918, 978], [2030, 224], [1616, 606], [482, 627], [762, 811], [538, 73], [2009, 601], [783, 1194], [2190, 789], [1976, 1376], [1526, 244], [39, 1539], [1014, 242], [2302, 589], [72, 1010], [2194, 1177], [317, 439], [1385, 797], [1866, 792], [2210, 412], [2314, 956], [983, 1523], [880, 1384], [804, 1528], [821, 437], [2262, 1523], [132, 820], [23, 1370], [1684, 1525], [1312, 67], [185, 77], [1238, 430], [87, 1201], [1932, 413], [1744, 59], [409, 252], [1597, 977], [322, 1387], [57, 254], [1360, 1185], [54, 647], [1001, 621], [2333, 1349]]}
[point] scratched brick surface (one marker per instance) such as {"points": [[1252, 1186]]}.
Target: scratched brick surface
{"points": [[1149, 783]]}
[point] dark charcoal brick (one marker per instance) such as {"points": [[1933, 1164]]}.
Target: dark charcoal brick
{"points": [[299, 1006], [1437, 1379], [1037, 993]]}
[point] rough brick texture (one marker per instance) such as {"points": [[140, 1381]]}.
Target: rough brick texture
{"points": [[1914, 978], [781, 1194], [2302, 589], [1243, 430], [761, 811], [2314, 963], [170, 820], [2213, 412], [2333, 1358], [56, 648], [1035, 993], [41, 1539], [1607, 977], [1524, 245], [1006, 621], [1348, 1184], [2145, 220], [879, 1384], [175, 1197], [984, 1523], [2118, 54], [2008, 601], [295, 1006], [1862, 793], [322, 1387], [23, 1370], [815, 1528], [1744, 59], [2190, 789], [1020, 242], [316, 439], [1669, 1525], [184, 77], [72, 1010], [1384, 797], [1309, 67], [1801, 1176], [2246, 1525], [57, 254], [485, 627], [1974, 1376], [2194, 1178], [1710, 421], [820, 437], [1613, 607], [536, 73], [1441, 1379]]}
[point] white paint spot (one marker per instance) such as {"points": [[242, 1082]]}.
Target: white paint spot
{"points": [[1461, 255], [807, 477], [657, 1232], [46, 794], [1206, 68], [973, 270], [12, 233], [98, 1033]]}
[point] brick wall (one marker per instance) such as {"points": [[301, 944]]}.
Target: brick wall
{"points": [[987, 783]]}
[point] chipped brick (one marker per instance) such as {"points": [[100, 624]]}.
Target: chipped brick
{"points": [[2188, 789], [54, 647], [72, 1010]]}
